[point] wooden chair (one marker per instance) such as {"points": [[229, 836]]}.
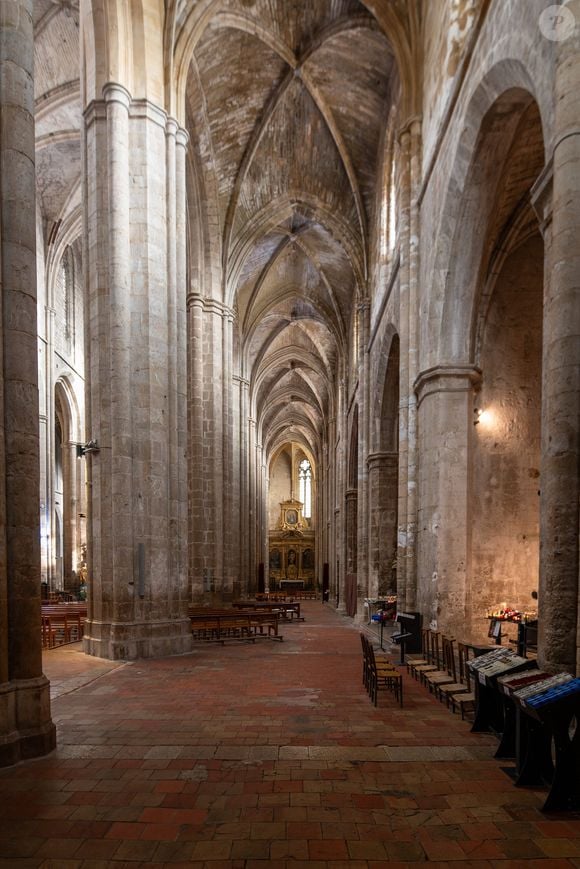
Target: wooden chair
{"points": [[460, 685], [465, 698], [423, 657], [369, 655], [434, 659], [383, 675], [447, 674], [365, 662]]}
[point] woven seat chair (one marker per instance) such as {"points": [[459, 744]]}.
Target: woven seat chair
{"points": [[382, 675]]}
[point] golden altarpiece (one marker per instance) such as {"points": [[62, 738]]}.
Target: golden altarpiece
{"points": [[292, 550]]}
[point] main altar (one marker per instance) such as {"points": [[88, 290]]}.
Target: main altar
{"points": [[292, 563]]}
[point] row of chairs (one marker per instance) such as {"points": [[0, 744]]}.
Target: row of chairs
{"points": [[379, 673], [443, 671]]}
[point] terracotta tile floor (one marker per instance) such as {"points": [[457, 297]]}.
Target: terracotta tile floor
{"points": [[265, 755]]}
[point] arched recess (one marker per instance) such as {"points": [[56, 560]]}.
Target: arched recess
{"points": [[503, 128], [506, 345], [492, 116], [486, 217], [68, 492], [384, 480], [351, 518]]}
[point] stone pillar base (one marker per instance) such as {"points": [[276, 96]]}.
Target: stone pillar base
{"points": [[26, 729], [129, 641]]}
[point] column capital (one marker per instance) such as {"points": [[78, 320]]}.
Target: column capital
{"points": [[116, 93], [375, 460], [172, 128], [210, 306], [95, 111], [113, 92], [182, 137], [446, 378], [150, 111], [410, 127]]}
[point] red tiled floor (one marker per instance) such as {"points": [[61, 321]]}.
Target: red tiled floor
{"points": [[245, 756]]}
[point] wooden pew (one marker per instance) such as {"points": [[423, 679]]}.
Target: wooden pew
{"points": [[219, 624], [62, 623], [288, 609]]}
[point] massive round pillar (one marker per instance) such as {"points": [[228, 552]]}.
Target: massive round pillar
{"points": [[445, 402], [26, 729], [559, 603], [135, 251]]}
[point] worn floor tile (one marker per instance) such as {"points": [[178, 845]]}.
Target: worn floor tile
{"points": [[271, 754]]}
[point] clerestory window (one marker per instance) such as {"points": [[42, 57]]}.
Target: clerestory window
{"points": [[305, 487]]}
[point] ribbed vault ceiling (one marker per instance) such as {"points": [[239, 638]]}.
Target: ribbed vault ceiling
{"points": [[57, 106], [289, 100], [287, 105]]}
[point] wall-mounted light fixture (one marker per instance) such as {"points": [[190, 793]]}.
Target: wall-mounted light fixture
{"points": [[484, 416], [90, 447]]}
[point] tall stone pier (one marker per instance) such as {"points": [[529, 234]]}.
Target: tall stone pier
{"points": [[26, 729]]}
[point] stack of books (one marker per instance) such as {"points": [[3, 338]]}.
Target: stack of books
{"points": [[546, 691]]}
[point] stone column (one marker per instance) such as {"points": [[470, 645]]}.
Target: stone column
{"points": [[176, 147], [231, 559], [404, 232], [409, 183], [211, 449], [322, 498], [264, 521], [362, 566], [252, 517], [559, 601], [445, 421], [134, 193], [415, 158], [351, 535], [52, 576], [181, 445], [351, 510], [70, 511], [383, 471], [242, 523], [26, 729], [330, 486], [341, 460], [258, 506], [195, 430]]}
